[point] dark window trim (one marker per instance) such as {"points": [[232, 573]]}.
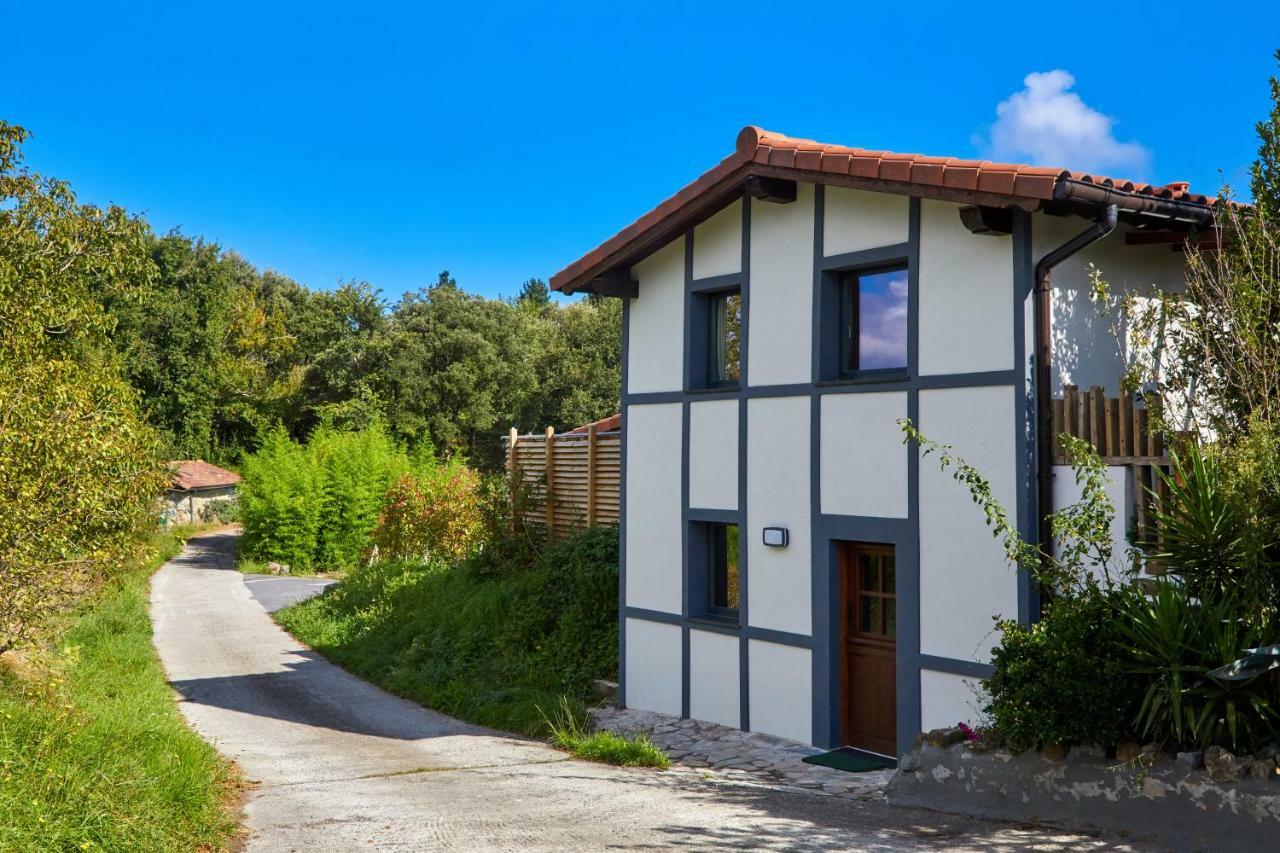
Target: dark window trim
{"points": [[701, 567], [701, 355]]}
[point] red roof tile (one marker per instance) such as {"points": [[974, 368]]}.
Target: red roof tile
{"points": [[1013, 183], [197, 474], [613, 423]]}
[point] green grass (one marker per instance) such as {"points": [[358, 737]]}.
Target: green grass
{"points": [[568, 731], [488, 644], [250, 566], [93, 752]]}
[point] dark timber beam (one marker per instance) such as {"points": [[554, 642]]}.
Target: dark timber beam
{"points": [[616, 282], [777, 190], [987, 221]]}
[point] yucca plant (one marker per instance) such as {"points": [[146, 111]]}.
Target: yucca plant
{"points": [[1177, 639]]}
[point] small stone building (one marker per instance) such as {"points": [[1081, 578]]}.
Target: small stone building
{"points": [[196, 484]]}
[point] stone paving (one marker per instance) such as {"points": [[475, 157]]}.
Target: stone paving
{"points": [[741, 756]]}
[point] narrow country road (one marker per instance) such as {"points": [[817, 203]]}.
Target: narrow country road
{"points": [[341, 765]]}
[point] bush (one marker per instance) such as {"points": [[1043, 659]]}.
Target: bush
{"points": [[280, 502], [221, 511], [355, 470], [1176, 640], [488, 646], [1064, 679], [433, 512], [316, 505]]}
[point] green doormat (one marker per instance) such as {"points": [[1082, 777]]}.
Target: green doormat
{"points": [[852, 760]]}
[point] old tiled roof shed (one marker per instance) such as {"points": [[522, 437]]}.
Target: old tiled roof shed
{"points": [[761, 155], [196, 474]]}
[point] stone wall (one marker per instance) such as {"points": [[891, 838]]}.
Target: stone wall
{"points": [[1170, 799], [186, 507]]}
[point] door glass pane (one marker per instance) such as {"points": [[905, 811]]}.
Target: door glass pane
{"points": [[869, 615], [882, 320], [888, 573], [870, 576], [891, 620]]}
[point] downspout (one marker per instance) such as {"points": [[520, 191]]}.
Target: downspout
{"points": [[1102, 226]]}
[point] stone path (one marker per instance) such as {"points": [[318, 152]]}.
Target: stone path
{"points": [[744, 756]]}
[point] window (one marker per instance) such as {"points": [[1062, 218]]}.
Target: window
{"points": [[713, 569], [873, 314], [724, 336]]}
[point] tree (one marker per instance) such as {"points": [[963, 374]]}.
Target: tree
{"points": [[79, 468]]}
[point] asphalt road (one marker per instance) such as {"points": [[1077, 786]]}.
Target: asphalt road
{"points": [[276, 593], [341, 765]]}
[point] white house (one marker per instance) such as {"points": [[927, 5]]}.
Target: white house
{"points": [[790, 566]]}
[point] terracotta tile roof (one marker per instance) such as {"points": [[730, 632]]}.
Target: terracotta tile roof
{"points": [[197, 474], [613, 423], [974, 181]]}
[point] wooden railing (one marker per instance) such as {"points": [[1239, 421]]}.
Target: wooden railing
{"points": [[566, 482], [1121, 430]]}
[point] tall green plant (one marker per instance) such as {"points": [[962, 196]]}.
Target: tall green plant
{"points": [[354, 470], [1176, 640], [80, 472], [280, 502]]}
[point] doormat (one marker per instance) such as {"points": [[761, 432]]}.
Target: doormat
{"points": [[852, 760]]}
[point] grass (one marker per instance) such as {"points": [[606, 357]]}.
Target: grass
{"points": [[93, 752], [568, 731], [492, 645]]}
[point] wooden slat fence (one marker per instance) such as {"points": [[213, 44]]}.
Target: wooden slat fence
{"points": [[1122, 432], [569, 481]]}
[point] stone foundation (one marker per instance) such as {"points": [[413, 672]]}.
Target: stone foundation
{"points": [[1152, 796]]}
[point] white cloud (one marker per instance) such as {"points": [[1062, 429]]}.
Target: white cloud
{"points": [[1046, 124]]}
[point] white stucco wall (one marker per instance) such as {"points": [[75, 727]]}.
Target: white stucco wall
{"points": [[947, 699], [714, 686], [653, 666], [781, 319], [656, 319], [713, 454], [778, 579], [863, 467], [1119, 489], [780, 690], [717, 243], [964, 579], [966, 295], [854, 220], [653, 577], [1085, 350]]}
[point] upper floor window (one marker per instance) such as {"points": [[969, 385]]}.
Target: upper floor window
{"points": [[724, 338], [873, 320]]}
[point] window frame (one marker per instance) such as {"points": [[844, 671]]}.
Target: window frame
{"points": [[717, 338], [700, 325], [709, 549], [848, 346]]}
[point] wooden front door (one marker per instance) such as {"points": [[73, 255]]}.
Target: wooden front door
{"points": [[868, 608]]}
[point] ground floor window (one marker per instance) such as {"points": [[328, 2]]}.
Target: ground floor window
{"points": [[713, 566]]}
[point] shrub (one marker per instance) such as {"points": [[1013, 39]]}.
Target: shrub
{"points": [[221, 511], [434, 512], [280, 502], [1064, 679], [317, 505], [354, 471], [1175, 641]]}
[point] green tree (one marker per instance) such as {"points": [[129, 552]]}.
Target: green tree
{"points": [[79, 468]]}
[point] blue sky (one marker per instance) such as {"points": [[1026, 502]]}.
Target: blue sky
{"points": [[386, 142]]}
